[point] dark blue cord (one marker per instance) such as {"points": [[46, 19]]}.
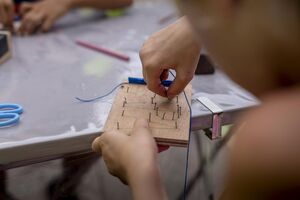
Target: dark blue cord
{"points": [[97, 98], [188, 148], [131, 80]]}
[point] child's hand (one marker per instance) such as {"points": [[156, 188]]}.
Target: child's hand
{"points": [[7, 13], [40, 16], [126, 156], [171, 48]]}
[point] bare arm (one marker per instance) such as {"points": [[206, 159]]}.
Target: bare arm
{"points": [[264, 161], [146, 184], [41, 15], [6, 13]]}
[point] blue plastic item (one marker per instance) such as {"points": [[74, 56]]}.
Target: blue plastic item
{"points": [[141, 81], [10, 114]]}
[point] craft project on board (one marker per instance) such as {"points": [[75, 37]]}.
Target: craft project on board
{"points": [[169, 120]]}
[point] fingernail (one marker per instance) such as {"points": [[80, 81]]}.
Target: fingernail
{"points": [[95, 146]]}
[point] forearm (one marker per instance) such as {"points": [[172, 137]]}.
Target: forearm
{"points": [[100, 4], [147, 185]]}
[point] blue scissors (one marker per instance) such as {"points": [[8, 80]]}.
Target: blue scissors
{"points": [[10, 114]]}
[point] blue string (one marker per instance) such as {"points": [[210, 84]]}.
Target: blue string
{"points": [[100, 97], [188, 148]]}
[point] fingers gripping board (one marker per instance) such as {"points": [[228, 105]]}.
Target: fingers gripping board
{"points": [[169, 120]]}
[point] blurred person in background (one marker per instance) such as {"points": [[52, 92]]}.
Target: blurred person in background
{"points": [[39, 16]]}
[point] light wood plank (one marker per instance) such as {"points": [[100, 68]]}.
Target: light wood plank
{"points": [[136, 101]]}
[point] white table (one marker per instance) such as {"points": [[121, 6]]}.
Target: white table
{"points": [[48, 71]]}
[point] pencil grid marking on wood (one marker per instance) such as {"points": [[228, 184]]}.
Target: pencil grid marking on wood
{"points": [[169, 120]]}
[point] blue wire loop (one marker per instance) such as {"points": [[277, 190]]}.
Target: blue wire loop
{"points": [[131, 80], [10, 114], [9, 119], [100, 97], [11, 108]]}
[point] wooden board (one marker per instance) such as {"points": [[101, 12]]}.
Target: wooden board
{"points": [[169, 120], [5, 46]]}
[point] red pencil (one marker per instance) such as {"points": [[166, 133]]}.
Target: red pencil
{"points": [[104, 50]]}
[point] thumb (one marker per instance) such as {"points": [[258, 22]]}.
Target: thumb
{"points": [[96, 145], [141, 127]]}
